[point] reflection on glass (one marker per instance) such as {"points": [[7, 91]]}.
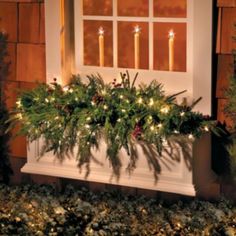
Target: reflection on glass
{"points": [[170, 46], [97, 7], [98, 43], [170, 8], [133, 45], [132, 8]]}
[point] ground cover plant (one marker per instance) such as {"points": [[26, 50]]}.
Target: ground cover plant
{"points": [[41, 210]]}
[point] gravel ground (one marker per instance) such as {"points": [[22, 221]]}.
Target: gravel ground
{"points": [[41, 210]]}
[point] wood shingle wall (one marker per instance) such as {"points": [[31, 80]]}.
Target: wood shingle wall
{"points": [[23, 21], [225, 46]]}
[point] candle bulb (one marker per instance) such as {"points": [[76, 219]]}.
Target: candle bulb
{"points": [[137, 30], [171, 50], [101, 46]]}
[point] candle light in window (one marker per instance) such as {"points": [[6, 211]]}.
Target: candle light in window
{"points": [[101, 46], [137, 30], [171, 50]]}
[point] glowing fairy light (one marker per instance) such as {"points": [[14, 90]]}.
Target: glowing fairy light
{"points": [[105, 107], [165, 110], [140, 101], [65, 89], [182, 114], [152, 128], [87, 126], [18, 104], [19, 116], [191, 137], [151, 102]]}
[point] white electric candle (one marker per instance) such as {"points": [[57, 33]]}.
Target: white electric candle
{"points": [[101, 46], [171, 50], [137, 30]]}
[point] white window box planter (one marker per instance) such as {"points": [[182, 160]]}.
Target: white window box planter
{"points": [[184, 169]]}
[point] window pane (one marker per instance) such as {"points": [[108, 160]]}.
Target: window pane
{"points": [[170, 8], [170, 50], [97, 7], [132, 46], [133, 8], [92, 43]]}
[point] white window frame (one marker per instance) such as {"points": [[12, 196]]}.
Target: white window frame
{"points": [[196, 80]]}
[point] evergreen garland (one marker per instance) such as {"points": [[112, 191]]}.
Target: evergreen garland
{"points": [[5, 169], [84, 112]]}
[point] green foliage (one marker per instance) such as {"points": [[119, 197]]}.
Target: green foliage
{"points": [[84, 112], [5, 169], [230, 111], [230, 108], [232, 153]]}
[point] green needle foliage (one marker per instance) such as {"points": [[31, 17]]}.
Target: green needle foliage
{"points": [[83, 113], [5, 169], [230, 111]]}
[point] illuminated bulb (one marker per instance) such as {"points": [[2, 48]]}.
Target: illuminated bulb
{"points": [[93, 103], [121, 96], [123, 110], [52, 99], [137, 29], [182, 114], [176, 131], [119, 120], [76, 99], [127, 100], [87, 126], [46, 100], [57, 118], [140, 101], [18, 103], [164, 141], [65, 89], [171, 34], [19, 116], [159, 125], [105, 107], [88, 118], [165, 110], [59, 125], [151, 102], [101, 31], [191, 137], [152, 128], [71, 90], [206, 128]]}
